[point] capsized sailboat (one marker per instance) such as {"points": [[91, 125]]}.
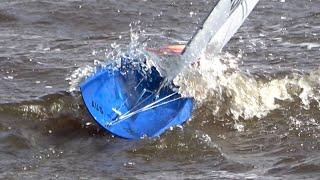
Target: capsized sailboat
{"points": [[130, 100]]}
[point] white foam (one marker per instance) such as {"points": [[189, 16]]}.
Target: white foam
{"points": [[78, 75], [218, 83], [308, 45]]}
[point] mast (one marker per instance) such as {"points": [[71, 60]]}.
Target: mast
{"points": [[218, 28]]}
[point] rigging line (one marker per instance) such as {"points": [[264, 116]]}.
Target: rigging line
{"points": [[142, 94], [131, 110], [124, 117], [149, 106], [158, 101], [146, 109], [128, 112], [172, 100], [163, 83], [138, 84], [162, 99], [144, 91]]}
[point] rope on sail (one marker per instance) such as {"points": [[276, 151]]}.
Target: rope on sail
{"points": [[155, 104]]}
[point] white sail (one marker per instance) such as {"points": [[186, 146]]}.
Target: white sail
{"points": [[221, 24]]}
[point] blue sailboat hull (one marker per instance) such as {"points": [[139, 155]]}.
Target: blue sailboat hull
{"points": [[130, 103]]}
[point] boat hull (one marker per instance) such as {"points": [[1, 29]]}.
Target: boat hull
{"points": [[131, 103]]}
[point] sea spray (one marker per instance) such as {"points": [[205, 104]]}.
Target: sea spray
{"points": [[112, 54], [218, 82]]}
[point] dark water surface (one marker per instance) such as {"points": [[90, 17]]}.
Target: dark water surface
{"points": [[266, 126]]}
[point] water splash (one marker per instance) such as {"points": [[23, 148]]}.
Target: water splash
{"points": [[216, 81], [113, 53], [220, 84], [77, 76]]}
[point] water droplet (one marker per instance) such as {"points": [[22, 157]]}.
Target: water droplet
{"points": [[192, 13], [129, 164], [88, 123], [8, 77]]}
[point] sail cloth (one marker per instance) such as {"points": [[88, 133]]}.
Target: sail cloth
{"points": [[132, 101], [223, 22], [218, 28]]}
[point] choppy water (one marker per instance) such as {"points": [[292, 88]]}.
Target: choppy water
{"points": [[257, 115]]}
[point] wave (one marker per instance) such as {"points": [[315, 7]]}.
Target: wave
{"points": [[59, 114], [219, 83]]}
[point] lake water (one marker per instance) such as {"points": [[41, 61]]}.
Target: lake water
{"points": [[257, 114]]}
